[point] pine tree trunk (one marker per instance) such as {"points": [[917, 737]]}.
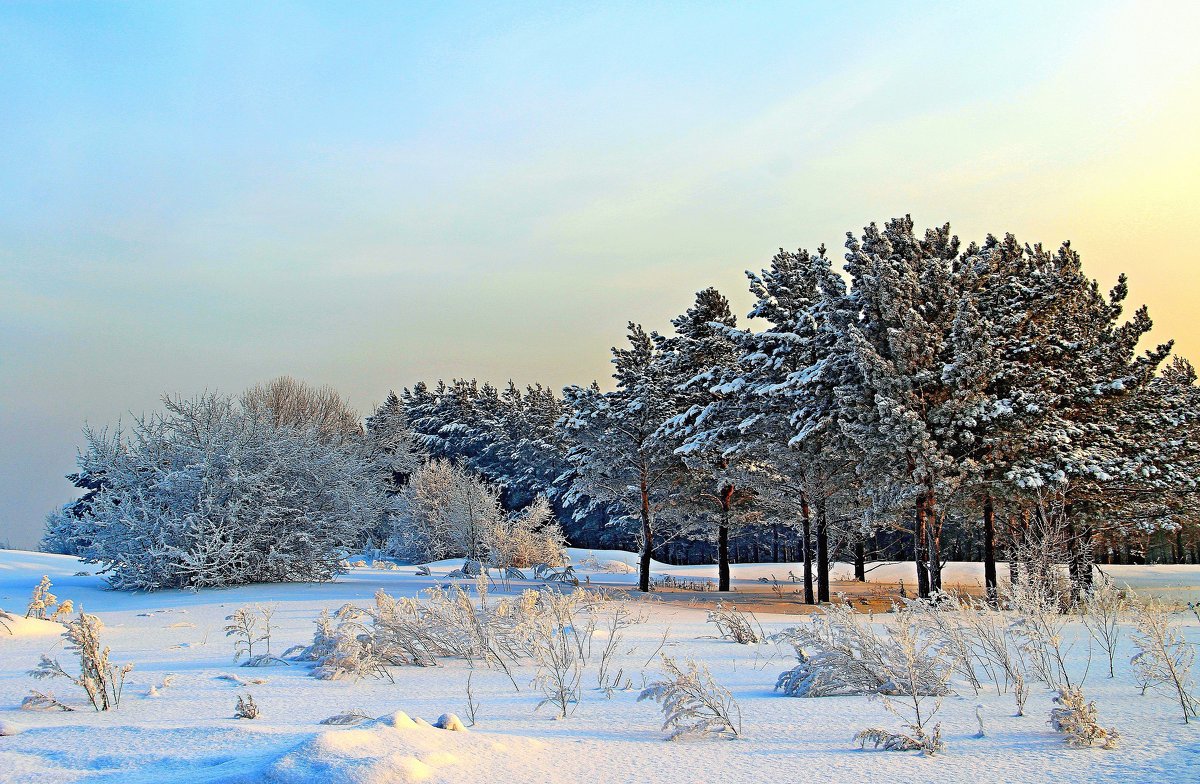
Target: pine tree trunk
{"points": [[822, 554], [806, 516], [990, 581], [647, 539], [920, 549], [934, 528], [860, 561], [723, 540]]}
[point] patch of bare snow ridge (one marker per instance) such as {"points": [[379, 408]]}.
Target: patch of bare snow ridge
{"points": [[13, 625], [397, 749]]}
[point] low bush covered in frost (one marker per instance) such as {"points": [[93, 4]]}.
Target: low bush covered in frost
{"points": [[1077, 719], [363, 641], [693, 704], [447, 512], [102, 681], [213, 491], [840, 653]]}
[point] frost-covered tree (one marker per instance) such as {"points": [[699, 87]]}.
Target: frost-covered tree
{"points": [[617, 457], [902, 289], [772, 413], [208, 492], [444, 512], [698, 358], [447, 512], [288, 402]]}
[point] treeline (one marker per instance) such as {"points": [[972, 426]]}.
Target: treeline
{"points": [[928, 401]]}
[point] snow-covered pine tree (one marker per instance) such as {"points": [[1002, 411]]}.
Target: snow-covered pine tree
{"points": [[616, 458], [700, 356], [791, 389], [904, 294]]}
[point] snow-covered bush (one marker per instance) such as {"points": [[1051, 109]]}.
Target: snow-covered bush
{"points": [[693, 704], [102, 681], [1038, 600], [614, 622], [916, 740], [447, 512], [558, 643], [365, 641], [44, 605], [1164, 658], [208, 492], [530, 537], [250, 626], [945, 618], [1101, 610], [246, 707], [733, 624], [842, 653], [42, 601], [918, 672], [346, 718], [38, 701], [349, 650], [444, 512], [1076, 717]]}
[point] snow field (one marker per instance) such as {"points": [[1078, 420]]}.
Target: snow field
{"points": [[187, 733]]}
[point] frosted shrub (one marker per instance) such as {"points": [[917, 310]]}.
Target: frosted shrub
{"points": [[841, 653], [37, 701], [364, 641], [42, 600], [986, 633], [918, 675], [211, 493], [1101, 610], [733, 624], [44, 606], [444, 512], [246, 708], [1038, 627], [1164, 658], [558, 644], [102, 681], [943, 617], [250, 626], [448, 512], [1077, 719], [620, 618], [693, 704], [348, 651], [531, 537], [346, 719]]}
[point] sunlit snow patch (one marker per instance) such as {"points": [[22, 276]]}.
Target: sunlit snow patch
{"points": [[397, 748]]}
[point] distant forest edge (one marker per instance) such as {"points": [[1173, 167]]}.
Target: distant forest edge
{"points": [[929, 402]]}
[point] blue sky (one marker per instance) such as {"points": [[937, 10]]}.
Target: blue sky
{"points": [[207, 195]]}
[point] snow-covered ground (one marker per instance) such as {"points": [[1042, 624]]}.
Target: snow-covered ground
{"points": [[186, 732]]}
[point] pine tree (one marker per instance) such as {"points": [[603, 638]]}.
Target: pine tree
{"points": [[617, 459], [701, 355]]}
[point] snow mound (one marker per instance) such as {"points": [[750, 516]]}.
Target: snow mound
{"points": [[8, 728], [20, 626], [396, 748]]}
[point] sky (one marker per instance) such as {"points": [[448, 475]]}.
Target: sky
{"points": [[204, 196]]}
